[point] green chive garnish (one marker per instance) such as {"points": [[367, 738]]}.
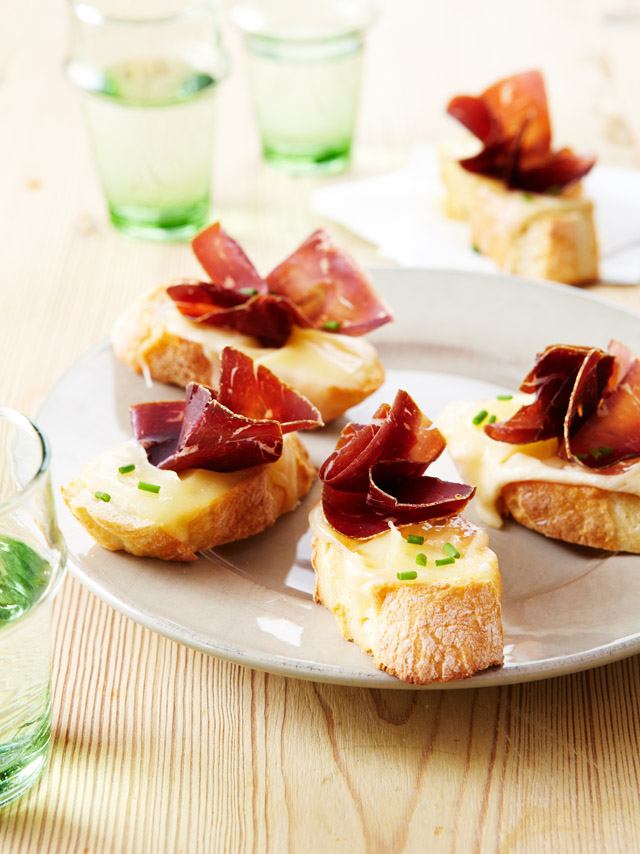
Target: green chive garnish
{"points": [[493, 419], [415, 539], [605, 451], [407, 576], [450, 551], [479, 418], [595, 453], [331, 325], [148, 487], [421, 559], [527, 196], [444, 561], [504, 397], [249, 291], [581, 457], [555, 190], [126, 469], [476, 249], [103, 496]]}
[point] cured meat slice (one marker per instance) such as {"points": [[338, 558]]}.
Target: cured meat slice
{"points": [[233, 429], [329, 287], [511, 119], [552, 380], [375, 476], [254, 391], [588, 399], [225, 262], [266, 317]]}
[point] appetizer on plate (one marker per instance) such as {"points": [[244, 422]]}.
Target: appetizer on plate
{"points": [[523, 200], [565, 462], [304, 322], [214, 468], [406, 577]]}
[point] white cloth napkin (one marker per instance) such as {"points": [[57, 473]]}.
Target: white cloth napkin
{"points": [[402, 214]]}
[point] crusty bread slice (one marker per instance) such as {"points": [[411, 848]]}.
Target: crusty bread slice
{"points": [[531, 234], [531, 483], [194, 510], [333, 371], [446, 624], [578, 514]]}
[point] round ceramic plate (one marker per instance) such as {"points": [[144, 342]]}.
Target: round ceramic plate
{"points": [[456, 336]]}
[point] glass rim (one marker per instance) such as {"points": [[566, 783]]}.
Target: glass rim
{"points": [[21, 494], [88, 12], [268, 32]]}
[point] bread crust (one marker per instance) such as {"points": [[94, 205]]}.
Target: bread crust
{"points": [[248, 508], [557, 243], [579, 514], [436, 631], [142, 341]]}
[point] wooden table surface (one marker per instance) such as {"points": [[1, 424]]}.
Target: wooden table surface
{"points": [[157, 748]]}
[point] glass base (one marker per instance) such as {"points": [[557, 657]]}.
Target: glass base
{"points": [[325, 161], [178, 222], [21, 775]]}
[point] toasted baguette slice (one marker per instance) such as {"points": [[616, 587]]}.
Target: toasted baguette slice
{"points": [[531, 234], [334, 371], [529, 482], [193, 510], [446, 624]]}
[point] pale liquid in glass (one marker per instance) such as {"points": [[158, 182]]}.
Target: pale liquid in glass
{"points": [[25, 669], [151, 124], [306, 107]]}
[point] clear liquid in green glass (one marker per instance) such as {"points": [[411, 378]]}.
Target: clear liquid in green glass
{"points": [[152, 123], [25, 667]]}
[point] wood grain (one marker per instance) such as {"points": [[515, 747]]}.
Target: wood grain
{"points": [[157, 748]]}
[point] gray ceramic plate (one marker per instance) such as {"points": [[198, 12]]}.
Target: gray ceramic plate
{"points": [[456, 335]]}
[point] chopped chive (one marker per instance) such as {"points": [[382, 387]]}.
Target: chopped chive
{"points": [[493, 419], [444, 561], [555, 190], [421, 559], [605, 450], [331, 325], [148, 487], [475, 249], [126, 469], [479, 418], [103, 496], [450, 551], [504, 397], [249, 291], [407, 576], [581, 457], [595, 453], [415, 539], [527, 196]]}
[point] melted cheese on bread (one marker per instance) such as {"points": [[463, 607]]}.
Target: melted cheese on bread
{"points": [[182, 496], [491, 465], [375, 562]]}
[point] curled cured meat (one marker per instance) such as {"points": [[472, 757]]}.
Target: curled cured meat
{"points": [[266, 317], [233, 429], [329, 287], [257, 393], [225, 261], [588, 399], [511, 119], [320, 286], [376, 474]]}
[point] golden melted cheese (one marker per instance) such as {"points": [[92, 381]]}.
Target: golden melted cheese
{"points": [[491, 465], [182, 495], [375, 562]]}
